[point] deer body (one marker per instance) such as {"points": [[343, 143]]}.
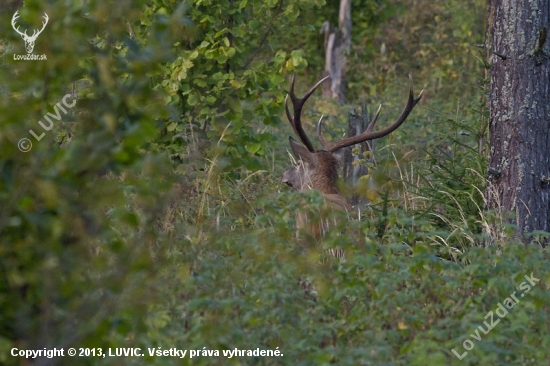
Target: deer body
{"points": [[318, 169]]}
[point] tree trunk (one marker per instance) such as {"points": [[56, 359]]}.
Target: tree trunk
{"points": [[10, 6], [337, 47], [519, 111]]}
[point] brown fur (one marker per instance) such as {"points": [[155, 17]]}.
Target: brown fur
{"points": [[325, 173], [316, 170], [334, 202]]}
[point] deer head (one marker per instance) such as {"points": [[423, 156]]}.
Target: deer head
{"points": [[29, 40], [317, 169]]}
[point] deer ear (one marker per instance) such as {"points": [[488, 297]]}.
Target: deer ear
{"points": [[339, 155], [300, 151]]}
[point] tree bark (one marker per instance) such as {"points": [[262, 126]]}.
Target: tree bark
{"points": [[519, 111], [337, 47], [10, 6]]}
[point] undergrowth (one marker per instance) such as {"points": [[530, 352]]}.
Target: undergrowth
{"points": [[425, 265]]}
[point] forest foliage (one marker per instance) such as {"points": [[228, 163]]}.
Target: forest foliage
{"points": [[152, 214]]}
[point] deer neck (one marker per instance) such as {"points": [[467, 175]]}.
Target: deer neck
{"points": [[338, 201], [323, 177], [332, 195], [324, 184]]}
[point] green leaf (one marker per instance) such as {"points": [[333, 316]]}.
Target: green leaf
{"points": [[192, 99], [200, 83], [235, 105], [254, 25], [280, 57], [253, 148]]}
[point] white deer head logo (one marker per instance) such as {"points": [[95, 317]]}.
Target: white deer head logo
{"points": [[29, 40]]}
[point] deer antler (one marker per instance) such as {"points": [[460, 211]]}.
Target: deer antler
{"points": [[297, 104], [35, 34], [326, 144], [365, 136], [13, 21]]}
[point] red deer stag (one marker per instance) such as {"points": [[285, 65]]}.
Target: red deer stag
{"points": [[318, 169]]}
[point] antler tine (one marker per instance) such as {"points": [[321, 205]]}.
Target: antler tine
{"points": [[370, 126], [411, 103], [13, 23], [297, 104], [324, 142], [319, 135], [15, 17], [44, 23]]}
